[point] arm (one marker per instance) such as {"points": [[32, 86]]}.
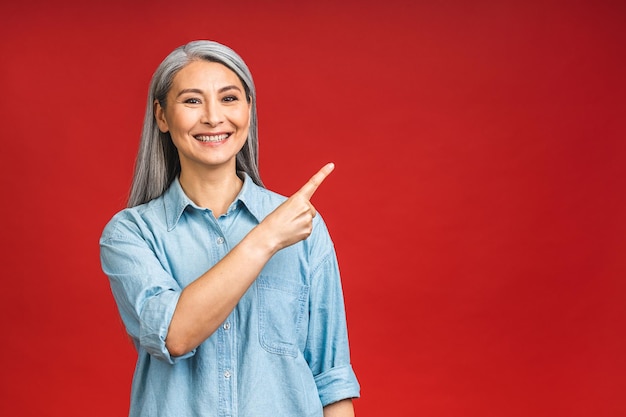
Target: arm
{"points": [[204, 304], [343, 408], [336, 382], [327, 349]]}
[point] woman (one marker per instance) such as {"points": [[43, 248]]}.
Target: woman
{"points": [[230, 292]]}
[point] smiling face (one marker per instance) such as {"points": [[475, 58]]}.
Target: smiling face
{"points": [[207, 116]]}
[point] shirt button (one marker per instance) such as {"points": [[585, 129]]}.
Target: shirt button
{"points": [[226, 326], [226, 374], [220, 240]]}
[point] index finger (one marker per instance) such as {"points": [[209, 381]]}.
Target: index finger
{"points": [[309, 188]]}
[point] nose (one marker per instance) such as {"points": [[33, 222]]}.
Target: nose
{"points": [[212, 113]]}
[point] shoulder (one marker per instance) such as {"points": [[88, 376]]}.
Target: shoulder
{"points": [[134, 221], [319, 245]]}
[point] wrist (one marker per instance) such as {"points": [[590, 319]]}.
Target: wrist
{"points": [[260, 242]]}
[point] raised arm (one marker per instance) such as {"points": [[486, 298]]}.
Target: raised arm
{"points": [[206, 303]]}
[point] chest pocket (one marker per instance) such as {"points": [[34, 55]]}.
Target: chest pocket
{"points": [[282, 306]]}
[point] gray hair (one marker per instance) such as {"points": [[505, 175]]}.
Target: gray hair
{"points": [[157, 163]]}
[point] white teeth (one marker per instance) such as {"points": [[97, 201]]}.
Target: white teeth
{"points": [[214, 138]]}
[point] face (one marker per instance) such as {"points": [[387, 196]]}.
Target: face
{"points": [[207, 116]]}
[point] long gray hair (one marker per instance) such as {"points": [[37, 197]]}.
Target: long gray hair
{"points": [[157, 163]]}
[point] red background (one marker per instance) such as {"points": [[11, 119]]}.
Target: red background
{"points": [[478, 204]]}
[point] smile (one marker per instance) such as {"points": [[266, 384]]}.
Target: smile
{"points": [[212, 138]]}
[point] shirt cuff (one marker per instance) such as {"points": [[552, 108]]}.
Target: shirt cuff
{"points": [[337, 384], [156, 317]]}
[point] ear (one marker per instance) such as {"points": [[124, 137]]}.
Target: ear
{"points": [[159, 115], [249, 114]]}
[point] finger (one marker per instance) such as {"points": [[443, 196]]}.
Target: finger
{"points": [[309, 188]]}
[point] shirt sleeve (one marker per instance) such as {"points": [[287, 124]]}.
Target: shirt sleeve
{"points": [[327, 350], [145, 293]]}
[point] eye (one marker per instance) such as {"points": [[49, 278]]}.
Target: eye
{"points": [[192, 101], [229, 99]]}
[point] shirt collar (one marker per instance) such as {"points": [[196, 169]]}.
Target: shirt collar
{"points": [[250, 196], [176, 201]]}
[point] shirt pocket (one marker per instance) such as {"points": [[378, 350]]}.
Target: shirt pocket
{"points": [[282, 306]]}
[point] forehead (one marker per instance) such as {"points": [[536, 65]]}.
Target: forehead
{"points": [[201, 73]]}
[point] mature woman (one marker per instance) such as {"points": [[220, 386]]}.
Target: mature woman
{"points": [[230, 292]]}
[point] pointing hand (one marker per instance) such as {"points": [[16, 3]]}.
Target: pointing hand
{"points": [[292, 221]]}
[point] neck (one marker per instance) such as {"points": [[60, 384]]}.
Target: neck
{"points": [[212, 190]]}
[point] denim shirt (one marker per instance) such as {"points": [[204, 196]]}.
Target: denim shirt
{"points": [[283, 350]]}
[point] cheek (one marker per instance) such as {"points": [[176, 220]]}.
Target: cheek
{"points": [[180, 121], [246, 123]]}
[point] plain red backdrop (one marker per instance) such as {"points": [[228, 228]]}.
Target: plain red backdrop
{"points": [[478, 204]]}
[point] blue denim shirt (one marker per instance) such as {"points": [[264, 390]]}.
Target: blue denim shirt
{"points": [[283, 350]]}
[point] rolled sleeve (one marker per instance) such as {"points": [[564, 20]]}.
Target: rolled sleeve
{"points": [[337, 384], [145, 293]]}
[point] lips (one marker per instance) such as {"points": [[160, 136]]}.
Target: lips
{"points": [[212, 138]]}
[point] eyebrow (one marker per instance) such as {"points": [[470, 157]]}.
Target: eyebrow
{"points": [[198, 91]]}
